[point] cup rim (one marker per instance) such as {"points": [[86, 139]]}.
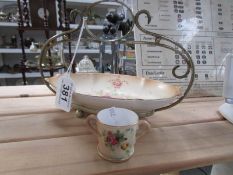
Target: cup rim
{"points": [[114, 126], [127, 125]]}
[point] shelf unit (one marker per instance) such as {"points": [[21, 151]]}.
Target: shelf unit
{"points": [[87, 51], [19, 75], [17, 52], [8, 24], [87, 2], [93, 27], [7, 28]]}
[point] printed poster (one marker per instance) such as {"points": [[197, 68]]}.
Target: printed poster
{"points": [[205, 30]]}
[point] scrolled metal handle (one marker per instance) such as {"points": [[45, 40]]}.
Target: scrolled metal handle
{"points": [[158, 41]]}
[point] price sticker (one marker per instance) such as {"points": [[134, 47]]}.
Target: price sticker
{"points": [[65, 89]]}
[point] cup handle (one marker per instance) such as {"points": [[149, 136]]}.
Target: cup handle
{"points": [[143, 128], [91, 123]]}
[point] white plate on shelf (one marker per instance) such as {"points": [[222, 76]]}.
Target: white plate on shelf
{"points": [[96, 91]]}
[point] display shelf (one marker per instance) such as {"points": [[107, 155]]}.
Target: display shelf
{"points": [[16, 50], [10, 50], [93, 27], [88, 51], [74, 2], [8, 1], [19, 75], [8, 24], [15, 53]]}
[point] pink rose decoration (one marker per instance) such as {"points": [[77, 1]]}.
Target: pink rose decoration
{"points": [[111, 139], [117, 83]]}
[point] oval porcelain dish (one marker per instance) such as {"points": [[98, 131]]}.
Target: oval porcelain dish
{"points": [[96, 91]]}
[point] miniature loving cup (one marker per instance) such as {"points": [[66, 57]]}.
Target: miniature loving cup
{"points": [[117, 130]]}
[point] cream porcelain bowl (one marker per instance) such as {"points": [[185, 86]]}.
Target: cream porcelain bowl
{"points": [[96, 91]]}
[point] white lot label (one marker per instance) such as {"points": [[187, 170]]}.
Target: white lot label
{"points": [[65, 89]]}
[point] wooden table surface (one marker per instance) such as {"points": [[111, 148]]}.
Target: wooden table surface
{"points": [[37, 138]]}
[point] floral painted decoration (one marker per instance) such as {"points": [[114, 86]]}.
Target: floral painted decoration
{"points": [[115, 139], [117, 83]]}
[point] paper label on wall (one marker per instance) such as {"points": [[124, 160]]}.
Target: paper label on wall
{"points": [[203, 27]]}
